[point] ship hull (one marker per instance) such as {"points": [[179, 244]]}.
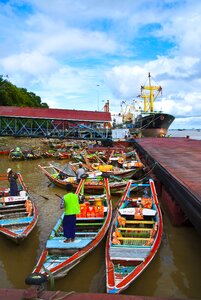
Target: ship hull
{"points": [[152, 125]]}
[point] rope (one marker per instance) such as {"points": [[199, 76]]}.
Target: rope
{"points": [[146, 175], [62, 297], [145, 126]]}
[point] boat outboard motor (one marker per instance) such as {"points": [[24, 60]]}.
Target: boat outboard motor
{"points": [[38, 280]]}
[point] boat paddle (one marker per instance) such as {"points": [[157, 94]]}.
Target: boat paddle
{"points": [[46, 198]]}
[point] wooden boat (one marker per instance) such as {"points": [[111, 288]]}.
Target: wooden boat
{"points": [[123, 161], [16, 154], [91, 226], [116, 171], [113, 167], [48, 154], [130, 154], [116, 154], [102, 154], [18, 214], [134, 237], [93, 182], [64, 155], [109, 168], [4, 151], [32, 154], [78, 155]]}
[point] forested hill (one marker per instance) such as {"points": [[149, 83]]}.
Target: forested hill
{"points": [[10, 95]]}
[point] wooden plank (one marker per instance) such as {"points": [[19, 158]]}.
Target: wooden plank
{"points": [[85, 233], [88, 224], [134, 229], [129, 252], [132, 239], [140, 222], [131, 211], [18, 221], [13, 215], [13, 210], [11, 205], [90, 219], [11, 199], [59, 244]]}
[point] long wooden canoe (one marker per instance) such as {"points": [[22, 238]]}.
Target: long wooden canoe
{"points": [[18, 214], [92, 184], [91, 226], [115, 167], [120, 159], [134, 237]]}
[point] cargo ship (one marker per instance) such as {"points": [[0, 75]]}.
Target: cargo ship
{"points": [[146, 122]]}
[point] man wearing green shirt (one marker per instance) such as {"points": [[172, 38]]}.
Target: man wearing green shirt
{"points": [[71, 209]]}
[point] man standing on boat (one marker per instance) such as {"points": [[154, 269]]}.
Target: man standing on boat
{"points": [[80, 171], [12, 178], [71, 206]]}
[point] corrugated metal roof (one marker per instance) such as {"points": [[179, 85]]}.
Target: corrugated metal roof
{"points": [[54, 113], [179, 156]]}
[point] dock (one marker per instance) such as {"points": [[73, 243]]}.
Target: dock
{"points": [[176, 164]]}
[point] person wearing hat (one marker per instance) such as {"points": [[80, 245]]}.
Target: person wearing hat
{"points": [[9, 171], [12, 178], [71, 206]]}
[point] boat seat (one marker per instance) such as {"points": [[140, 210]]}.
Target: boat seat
{"points": [[58, 243], [85, 233], [140, 222], [132, 239], [14, 215], [20, 231], [8, 206], [134, 229], [18, 221], [129, 253], [89, 219], [59, 235], [88, 224], [54, 261], [12, 199]]}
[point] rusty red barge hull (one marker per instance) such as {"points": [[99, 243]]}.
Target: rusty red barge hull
{"points": [[176, 163], [19, 294]]}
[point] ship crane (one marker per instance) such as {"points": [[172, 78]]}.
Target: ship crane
{"points": [[151, 97], [127, 112]]}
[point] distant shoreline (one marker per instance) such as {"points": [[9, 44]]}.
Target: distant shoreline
{"points": [[192, 133]]}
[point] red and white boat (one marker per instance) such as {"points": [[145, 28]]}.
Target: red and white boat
{"points": [[18, 214], [134, 236], [92, 224]]}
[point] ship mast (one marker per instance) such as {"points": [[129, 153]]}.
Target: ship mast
{"points": [[151, 96]]}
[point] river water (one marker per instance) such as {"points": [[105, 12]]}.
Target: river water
{"points": [[191, 133], [174, 272]]}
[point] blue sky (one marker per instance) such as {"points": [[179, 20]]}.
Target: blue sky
{"points": [[77, 54]]}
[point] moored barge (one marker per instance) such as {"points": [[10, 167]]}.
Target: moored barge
{"points": [[176, 164]]}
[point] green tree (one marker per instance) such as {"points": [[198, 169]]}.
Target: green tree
{"points": [[10, 95]]}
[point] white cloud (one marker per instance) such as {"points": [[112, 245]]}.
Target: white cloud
{"points": [[181, 96], [31, 63], [61, 50], [56, 38]]}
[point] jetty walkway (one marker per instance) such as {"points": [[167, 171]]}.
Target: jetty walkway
{"points": [[176, 163]]}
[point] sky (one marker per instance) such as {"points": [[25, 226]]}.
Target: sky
{"points": [[77, 54]]}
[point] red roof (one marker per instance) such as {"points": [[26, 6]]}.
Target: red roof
{"points": [[54, 113]]}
